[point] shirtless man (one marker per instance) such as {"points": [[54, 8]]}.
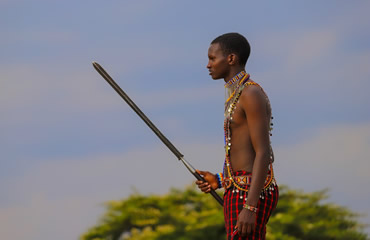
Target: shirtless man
{"points": [[251, 192]]}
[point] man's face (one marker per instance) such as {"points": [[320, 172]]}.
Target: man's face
{"points": [[218, 64]]}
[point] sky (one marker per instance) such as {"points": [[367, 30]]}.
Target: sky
{"points": [[69, 143]]}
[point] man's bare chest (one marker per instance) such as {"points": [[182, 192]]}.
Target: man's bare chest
{"points": [[239, 118]]}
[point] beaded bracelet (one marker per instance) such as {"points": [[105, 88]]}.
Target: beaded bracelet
{"points": [[220, 178], [250, 208]]}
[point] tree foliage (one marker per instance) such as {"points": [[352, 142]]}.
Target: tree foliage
{"points": [[189, 214], [304, 216]]}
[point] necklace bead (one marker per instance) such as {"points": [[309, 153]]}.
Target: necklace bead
{"points": [[230, 106]]}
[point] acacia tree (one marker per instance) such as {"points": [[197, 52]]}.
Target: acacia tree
{"points": [[304, 216], [189, 214]]}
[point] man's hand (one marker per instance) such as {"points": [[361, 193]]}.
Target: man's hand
{"points": [[246, 222], [211, 181]]}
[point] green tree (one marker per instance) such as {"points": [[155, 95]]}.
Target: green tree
{"points": [[180, 214], [189, 214], [304, 216]]}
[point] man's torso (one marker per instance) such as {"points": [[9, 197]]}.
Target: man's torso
{"points": [[242, 153]]}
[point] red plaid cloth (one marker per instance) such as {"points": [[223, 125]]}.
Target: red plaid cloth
{"points": [[233, 206]]}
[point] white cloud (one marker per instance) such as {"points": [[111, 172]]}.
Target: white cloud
{"points": [[46, 106], [35, 85], [296, 49], [55, 94], [39, 37], [335, 157], [338, 150], [327, 61], [308, 47], [62, 198], [42, 218]]}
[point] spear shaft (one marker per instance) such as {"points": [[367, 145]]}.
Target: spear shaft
{"points": [[159, 134]]}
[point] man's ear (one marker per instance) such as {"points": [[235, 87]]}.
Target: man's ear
{"points": [[232, 59]]}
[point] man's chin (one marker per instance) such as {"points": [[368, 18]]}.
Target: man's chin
{"points": [[214, 77]]}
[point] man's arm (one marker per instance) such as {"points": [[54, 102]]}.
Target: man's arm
{"points": [[254, 104]]}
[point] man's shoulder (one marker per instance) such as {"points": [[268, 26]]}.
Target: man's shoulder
{"points": [[252, 89], [252, 94]]}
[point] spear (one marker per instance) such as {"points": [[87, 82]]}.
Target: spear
{"points": [[159, 134]]}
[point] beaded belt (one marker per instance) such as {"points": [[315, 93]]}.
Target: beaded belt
{"points": [[244, 181]]}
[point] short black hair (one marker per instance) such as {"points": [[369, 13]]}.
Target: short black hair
{"points": [[234, 43]]}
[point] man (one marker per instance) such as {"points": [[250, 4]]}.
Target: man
{"points": [[251, 192]]}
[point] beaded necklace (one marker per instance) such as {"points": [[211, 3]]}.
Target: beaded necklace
{"points": [[230, 105], [233, 85]]}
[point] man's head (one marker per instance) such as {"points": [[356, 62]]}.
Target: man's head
{"points": [[230, 50], [234, 43]]}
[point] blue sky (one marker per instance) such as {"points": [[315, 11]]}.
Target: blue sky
{"points": [[68, 143]]}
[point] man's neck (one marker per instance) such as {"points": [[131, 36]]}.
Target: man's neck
{"points": [[233, 72]]}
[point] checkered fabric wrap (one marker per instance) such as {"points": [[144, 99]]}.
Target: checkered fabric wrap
{"points": [[233, 205]]}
